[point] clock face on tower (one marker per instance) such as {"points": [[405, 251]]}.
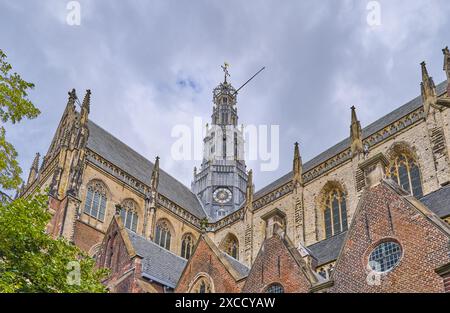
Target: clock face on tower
{"points": [[222, 195]]}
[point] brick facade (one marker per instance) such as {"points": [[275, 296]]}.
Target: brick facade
{"points": [[117, 254], [71, 165], [207, 261], [385, 213], [278, 262], [87, 237]]}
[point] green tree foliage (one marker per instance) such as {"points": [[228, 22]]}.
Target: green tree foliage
{"points": [[32, 261], [14, 105]]}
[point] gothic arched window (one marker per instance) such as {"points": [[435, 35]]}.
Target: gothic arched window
{"points": [[231, 246], [129, 215], [275, 288], [187, 244], [202, 285], [95, 202], [224, 146], [405, 171], [162, 234], [335, 212], [109, 253]]}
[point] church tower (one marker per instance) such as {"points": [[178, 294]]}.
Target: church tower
{"points": [[221, 181]]}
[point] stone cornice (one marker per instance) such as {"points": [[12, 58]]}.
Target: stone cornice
{"points": [[372, 140], [319, 170]]}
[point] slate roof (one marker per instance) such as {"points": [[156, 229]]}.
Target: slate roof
{"points": [[158, 263], [242, 269], [344, 144], [327, 250], [118, 153], [273, 185], [438, 201]]}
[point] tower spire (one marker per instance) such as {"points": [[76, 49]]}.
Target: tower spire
{"points": [[355, 134], [428, 89], [297, 166], [220, 182]]}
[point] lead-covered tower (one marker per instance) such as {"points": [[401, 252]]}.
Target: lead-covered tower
{"points": [[221, 181]]}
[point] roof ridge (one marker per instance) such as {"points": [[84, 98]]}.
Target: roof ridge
{"points": [[140, 155]]}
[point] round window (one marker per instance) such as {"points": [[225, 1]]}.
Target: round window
{"points": [[385, 256], [275, 288]]}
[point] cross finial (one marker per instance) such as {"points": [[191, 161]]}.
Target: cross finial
{"points": [[225, 70]]}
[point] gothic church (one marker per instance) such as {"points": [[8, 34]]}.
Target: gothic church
{"points": [[369, 214]]}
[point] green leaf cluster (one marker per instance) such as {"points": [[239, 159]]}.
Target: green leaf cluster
{"points": [[14, 106], [32, 261]]}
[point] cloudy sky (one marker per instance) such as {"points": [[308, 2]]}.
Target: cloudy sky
{"points": [[152, 65]]}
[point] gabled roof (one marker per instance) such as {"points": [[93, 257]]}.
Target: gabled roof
{"points": [[158, 263], [242, 269], [236, 269], [121, 155], [367, 131], [327, 250]]}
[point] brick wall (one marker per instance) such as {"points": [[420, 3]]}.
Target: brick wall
{"points": [[206, 261], [385, 215], [56, 208], [86, 236], [275, 264]]}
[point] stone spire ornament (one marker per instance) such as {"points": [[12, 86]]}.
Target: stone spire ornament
{"points": [[155, 175], [71, 101], [297, 167], [85, 107], [250, 189], [428, 89], [355, 134], [446, 52], [34, 169], [445, 99]]}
